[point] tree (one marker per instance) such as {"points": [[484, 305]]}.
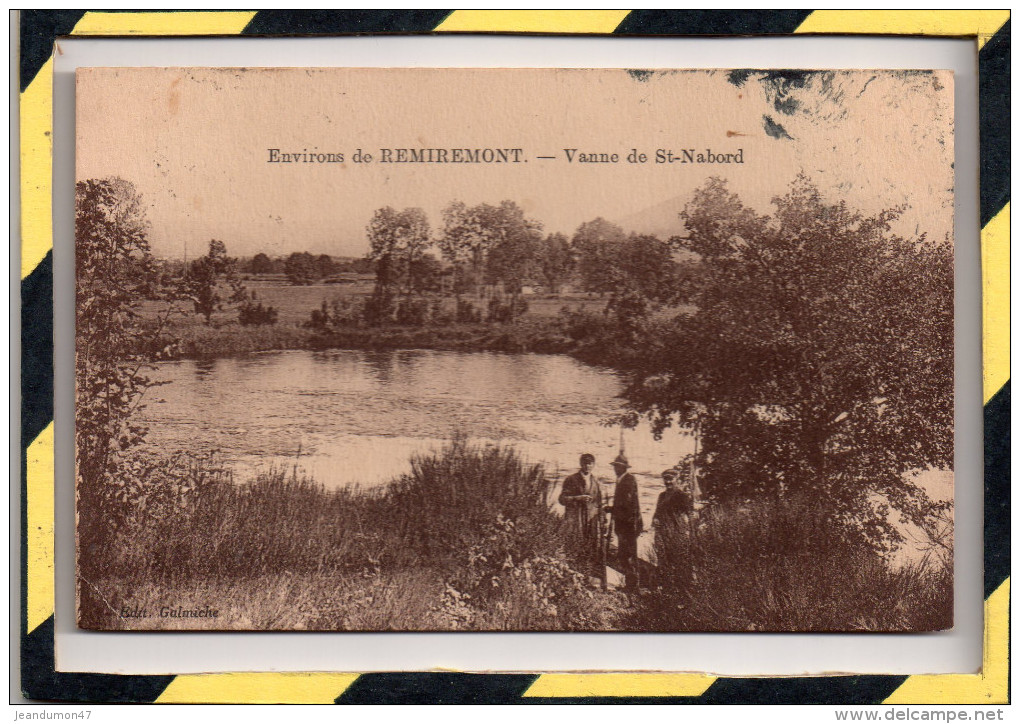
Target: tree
{"points": [[363, 265], [513, 252], [111, 238], [261, 264], [212, 281], [427, 272], [818, 362], [490, 243], [324, 266], [398, 242], [111, 256], [596, 246], [555, 261], [301, 268], [642, 278]]}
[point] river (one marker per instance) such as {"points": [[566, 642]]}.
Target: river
{"points": [[353, 417], [356, 417]]}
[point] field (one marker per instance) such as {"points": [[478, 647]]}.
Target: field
{"points": [[186, 334]]}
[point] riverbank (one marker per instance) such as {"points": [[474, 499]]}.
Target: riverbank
{"points": [[464, 541], [201, 341]]}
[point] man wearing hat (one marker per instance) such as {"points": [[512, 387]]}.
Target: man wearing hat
{"points": [[627, 519]]}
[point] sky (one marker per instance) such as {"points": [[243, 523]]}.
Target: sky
{"points": [[196, 145]]}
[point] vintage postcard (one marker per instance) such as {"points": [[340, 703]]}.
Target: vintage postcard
{"points": [[514, 349]]}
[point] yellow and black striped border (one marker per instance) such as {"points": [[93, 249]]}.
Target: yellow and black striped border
{"points": [[40, 679]]}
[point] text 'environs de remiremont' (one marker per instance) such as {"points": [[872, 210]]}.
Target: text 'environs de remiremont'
{"points": [[505, 155]]}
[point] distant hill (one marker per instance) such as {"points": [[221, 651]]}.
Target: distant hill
{"points": [[662, 219]]}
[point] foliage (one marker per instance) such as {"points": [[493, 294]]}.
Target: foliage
{"points": [[112, 265], [586, 326], [502, 310], [819, 358], [261, 264], [301, 268], [325, 267], [555, 261], [784, 565], [413, 312], [595, 246], [252, 313], [467, 313], [398, 242], [490, 243], [337, 312], [458, 491], [212, 281], [380, 308], [280, 551]]}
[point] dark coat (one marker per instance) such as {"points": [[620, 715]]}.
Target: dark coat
{"points": [[582, 519], [579, 513], [626, 509], [671, 506]]}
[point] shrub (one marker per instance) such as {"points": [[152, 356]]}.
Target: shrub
{"points": [[507, 310], [413, 312], [452, 496], [583, 325], [784, 565], [379, 308], [254, 314], [467, 313], [335, 313], [438, 315]]}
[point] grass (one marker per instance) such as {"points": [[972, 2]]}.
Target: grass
{"points": [[187, 335], [193, 339], [781, 566], [464, 541]]}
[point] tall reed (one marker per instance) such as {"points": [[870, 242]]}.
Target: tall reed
{"points": [[785, 566]]}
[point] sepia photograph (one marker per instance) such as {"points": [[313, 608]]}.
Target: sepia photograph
{"points": [[408, 349]]}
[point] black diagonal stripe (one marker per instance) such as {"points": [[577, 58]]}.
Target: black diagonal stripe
{"points": [[37, 31], [40, 680], [331, 22], [620, 700], [993, 122], [428, 688], [806, 690], [37, 350], [711, 22], [997, 495]]}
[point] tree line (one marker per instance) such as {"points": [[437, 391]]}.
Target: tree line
{"points": [[498, 244]]}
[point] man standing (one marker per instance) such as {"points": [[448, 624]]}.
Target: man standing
{"points": [[672, 544], [582, 501], [627, 519]]}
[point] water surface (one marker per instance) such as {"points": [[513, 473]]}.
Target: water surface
{"points": [[356, 417]]}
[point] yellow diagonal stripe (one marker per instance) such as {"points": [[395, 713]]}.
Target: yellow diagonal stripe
{"points": [[988, 687], [37, 112], [39, 528], [575, 685], [36, 119], [981, 23], [533, 21], [995, 301], [256, 688], [166, 23]]}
